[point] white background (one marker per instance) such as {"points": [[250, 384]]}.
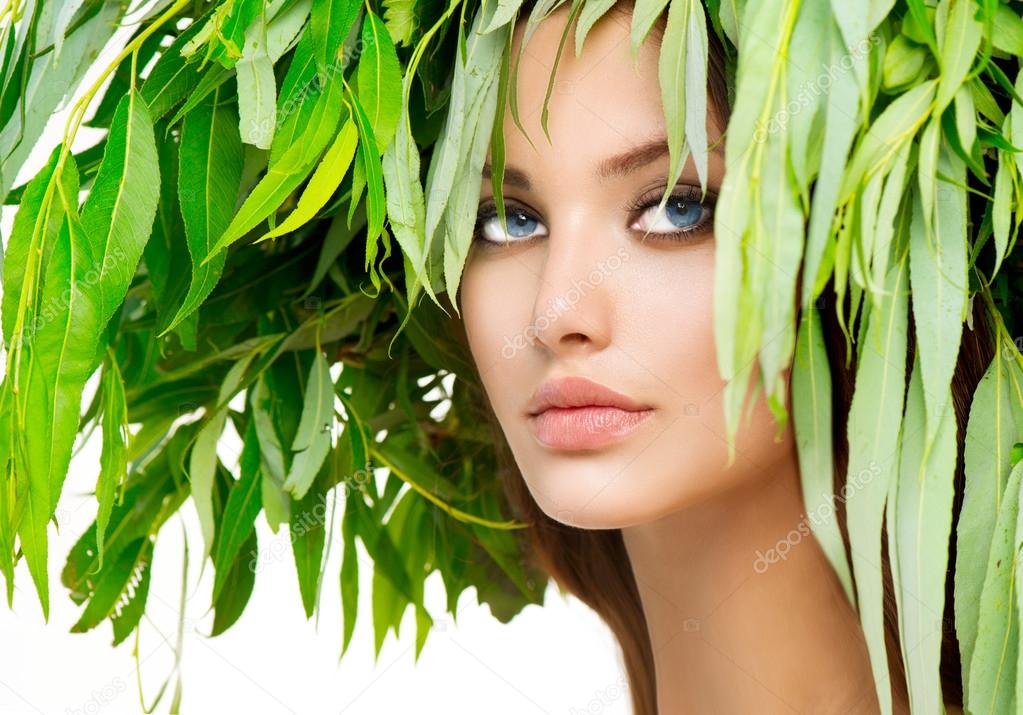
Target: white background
{"points": [[559, 658]]}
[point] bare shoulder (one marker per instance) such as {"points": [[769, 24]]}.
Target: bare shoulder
{"points": [[953, 709]]}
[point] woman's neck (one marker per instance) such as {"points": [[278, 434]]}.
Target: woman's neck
{"points": [[745, 613]]}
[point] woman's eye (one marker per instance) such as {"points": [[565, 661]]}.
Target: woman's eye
{"points": [[682, 215], [521, 226]]}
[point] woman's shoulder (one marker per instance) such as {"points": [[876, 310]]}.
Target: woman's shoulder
{"points": [[953, 709]]}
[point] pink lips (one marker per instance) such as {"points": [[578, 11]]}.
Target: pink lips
{"points": [[575, 413]]}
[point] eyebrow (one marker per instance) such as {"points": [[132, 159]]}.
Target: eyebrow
{"points": [[622, 164]]}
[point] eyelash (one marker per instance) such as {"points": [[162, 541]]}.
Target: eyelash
{"points": [[690, 194]]}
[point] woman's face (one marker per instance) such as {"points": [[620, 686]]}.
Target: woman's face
{"points": [[573, 290]]}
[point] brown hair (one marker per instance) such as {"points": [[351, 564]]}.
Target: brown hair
{"points": [[593, 564]]}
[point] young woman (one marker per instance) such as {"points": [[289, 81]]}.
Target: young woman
{"points": [[595, 350]]}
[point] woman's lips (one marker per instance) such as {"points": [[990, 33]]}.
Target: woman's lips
{"points": [[587, 427]]}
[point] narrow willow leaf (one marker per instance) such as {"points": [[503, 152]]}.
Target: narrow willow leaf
{"points": [[1008, 31], [991, 687], [995, 424], [202, 467], [875, 418], [958, 45], [938, 264], [114, 456], [839, 129], [349, 569], [808, 51], [119, 211], [1001, 209], [644, 15], [329, 24], [237, 586], [376, 202], [323, 183], [203, 460], [592, 11], [271, 452], [379, 80], [168, 263], [307, 528], [781, 223], [257, 87], [966, 117], [209, 175], [9, 500], [673, 76], [918, 540], [506, 11], [811, 421], [888, 214], [313, 438], [243, 505]]}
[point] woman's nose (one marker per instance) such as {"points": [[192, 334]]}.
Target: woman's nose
{"points": [[574, 306]]}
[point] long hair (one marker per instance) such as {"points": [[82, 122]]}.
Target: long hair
{"points": [[593, 564]]}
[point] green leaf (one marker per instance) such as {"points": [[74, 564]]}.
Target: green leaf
{"points": [[114, 456], [118, 214], [375, 199], [401, 20], [237, 586], [379, 77], [958, 46], [938, 264], [330, 23], [592, 11], [349, 569], [873, 427], [203, 461], [314, 435], [811, 421], [918, 532], [257, 87], [244, 503], [307, 528], [644, 15], [992, 673], [209, 175]]}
